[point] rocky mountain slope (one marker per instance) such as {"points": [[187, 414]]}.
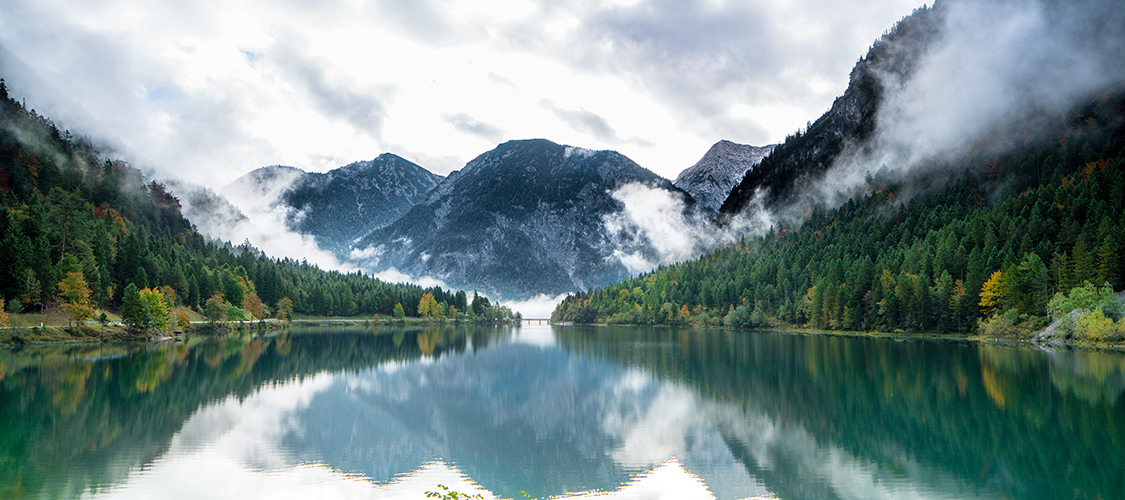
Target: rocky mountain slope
{"points": [[711, 179], [338, 206], [529, 217], [961, 181], [803, 158]]}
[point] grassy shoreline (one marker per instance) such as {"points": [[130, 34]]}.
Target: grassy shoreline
{"points": [[46, 329], [55, 331]]}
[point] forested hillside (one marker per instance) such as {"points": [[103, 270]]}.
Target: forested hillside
{"points": [[1010, 233], [79, 231]]}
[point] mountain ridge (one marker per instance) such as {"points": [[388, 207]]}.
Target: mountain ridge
{"points": [[866, 226], [526, 218], [804, 157], [711, 179], [340, 205]]}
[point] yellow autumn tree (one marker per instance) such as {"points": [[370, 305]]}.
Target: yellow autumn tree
{"points": [[428, 306], [992, 297], [76, 296]]}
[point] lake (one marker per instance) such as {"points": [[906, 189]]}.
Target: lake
{"points": [[606, 412]]}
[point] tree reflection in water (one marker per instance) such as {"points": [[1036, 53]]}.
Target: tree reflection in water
{"points": [[556, 410]]}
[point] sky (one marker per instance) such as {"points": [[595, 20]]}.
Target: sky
{"points": [[208, 90]]}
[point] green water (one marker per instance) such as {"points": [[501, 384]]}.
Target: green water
{"points": [[392, 413]]}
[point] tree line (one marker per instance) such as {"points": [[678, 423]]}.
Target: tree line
{"points": [[997, 243], [82, 232]]}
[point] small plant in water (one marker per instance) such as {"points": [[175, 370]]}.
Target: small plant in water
{"points": [[447, 494]]}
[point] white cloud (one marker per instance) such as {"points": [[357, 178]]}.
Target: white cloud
{"points": [[264, 224], [393, 275], [209, 91], [995, 62], [655, 227], [661, 216]]}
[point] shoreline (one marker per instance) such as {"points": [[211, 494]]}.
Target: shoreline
{"points": [[903, 336], [112, 334], [15, 336], [117, 333]]}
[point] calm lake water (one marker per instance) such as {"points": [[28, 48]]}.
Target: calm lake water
{"points": [[601, 411]]}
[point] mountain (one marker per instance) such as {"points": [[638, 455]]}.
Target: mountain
{"points": [[338, 206], [79, 229], [711, 179], [803, 158], [529, 217], [955, 186], [991, 253], [961, 78]]}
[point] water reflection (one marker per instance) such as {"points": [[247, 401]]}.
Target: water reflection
{"points": [[886, 418], [639, 413]]}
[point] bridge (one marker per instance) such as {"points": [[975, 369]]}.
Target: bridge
{"points": [[538, 321]]}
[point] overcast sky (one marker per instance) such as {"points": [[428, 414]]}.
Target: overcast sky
{"points": [[208, 90]]}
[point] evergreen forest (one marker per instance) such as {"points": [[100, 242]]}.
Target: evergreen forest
{"points": [[1004, 243], [81, 232]]}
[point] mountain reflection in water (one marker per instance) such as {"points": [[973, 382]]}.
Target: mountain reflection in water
{"points": [[596, 412]]}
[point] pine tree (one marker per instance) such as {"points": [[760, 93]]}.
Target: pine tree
{"points": [[1107, 257], [133, 311]]}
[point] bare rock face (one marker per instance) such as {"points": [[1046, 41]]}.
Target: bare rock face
{"points": [[711, 179]]}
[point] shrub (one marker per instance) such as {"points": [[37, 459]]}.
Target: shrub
{"points": [[1085, 297], [1095, 325], [1008, 323]]}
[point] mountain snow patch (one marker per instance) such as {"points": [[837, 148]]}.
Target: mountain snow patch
{"points": [[579, 152]]}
